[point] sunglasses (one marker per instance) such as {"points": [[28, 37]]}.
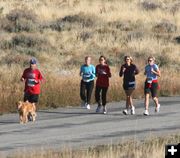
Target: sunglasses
{"points": [[127, 59], [150, 60]]}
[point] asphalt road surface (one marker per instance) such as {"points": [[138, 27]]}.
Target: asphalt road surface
{"points": [[75, 127]]}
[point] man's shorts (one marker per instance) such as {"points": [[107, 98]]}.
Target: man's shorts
{"points": [[32, 98]]}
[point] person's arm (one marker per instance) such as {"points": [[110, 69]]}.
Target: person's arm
{"points": [[108, 72], [136, 70], [97, 71], [23, 77], [93, 71], [145, 72], [81, 72], [40, 78], [156, 72], [122, 70]]}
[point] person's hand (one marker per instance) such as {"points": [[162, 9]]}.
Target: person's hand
{"points": [[36, 81], [153, 71], [22, 79], [124, 69]]}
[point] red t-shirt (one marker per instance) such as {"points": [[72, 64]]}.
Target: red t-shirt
{"points": [[32, 80], [103, 73]]}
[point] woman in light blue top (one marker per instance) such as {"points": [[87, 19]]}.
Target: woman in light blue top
{"points": [[88, 74], [152, 73]]}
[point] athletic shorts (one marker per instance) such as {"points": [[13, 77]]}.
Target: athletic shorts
{"points": [[129, 85], [32, 98], [153, 89]]}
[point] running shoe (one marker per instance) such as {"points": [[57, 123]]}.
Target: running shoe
{"points": [[83, 104], [105, 110], [146, 113], [98, 109], [157, 109], [125, 112], [133, 110], [88, 107]]}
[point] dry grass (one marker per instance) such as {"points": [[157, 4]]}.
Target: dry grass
{"points": [[60, 33], [151, 147]]}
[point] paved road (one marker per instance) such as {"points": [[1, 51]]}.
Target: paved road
{"points": [[76, 127]]}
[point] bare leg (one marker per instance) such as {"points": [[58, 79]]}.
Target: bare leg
{"points": [[127, 102], [146, 103], [130, 101], [129, 98], [155, 99]]}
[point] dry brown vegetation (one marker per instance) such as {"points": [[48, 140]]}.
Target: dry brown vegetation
{"points": [[60, 33], [151, 147]]}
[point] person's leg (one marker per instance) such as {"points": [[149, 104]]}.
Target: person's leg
{"points": [[83, 92], [155, 96], [130, 101], [97, 95], [129, 97], [26, 97], [33, 98], [89, 87], [146, 102], [125, 111], [104, 94]]}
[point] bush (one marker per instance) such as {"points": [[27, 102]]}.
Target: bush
{"points": [[70, 21], [26, 41], [28, 44], [85, 35], [12, 58], [150, 5], [83, 19], [125, 25], [20, 20], [165, 27]]}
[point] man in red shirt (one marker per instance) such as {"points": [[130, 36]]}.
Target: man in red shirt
{"points": [[32, 77]]}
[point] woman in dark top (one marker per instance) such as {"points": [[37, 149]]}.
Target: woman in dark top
{"points": [[129, 70], [102, 83]]}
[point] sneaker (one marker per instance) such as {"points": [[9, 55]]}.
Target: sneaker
{"points": [[88, 107], [105, 110], [98, 108], [146, 112], [133, 110], [157, 109], [125, 112]]}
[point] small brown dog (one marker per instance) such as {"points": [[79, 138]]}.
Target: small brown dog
{"points": [[25, 109]]}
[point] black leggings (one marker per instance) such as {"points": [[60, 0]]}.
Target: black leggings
{"points": [[100, 94], [86, 89]]}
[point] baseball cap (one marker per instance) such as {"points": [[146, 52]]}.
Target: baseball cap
{"points": [[33, 61]]}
